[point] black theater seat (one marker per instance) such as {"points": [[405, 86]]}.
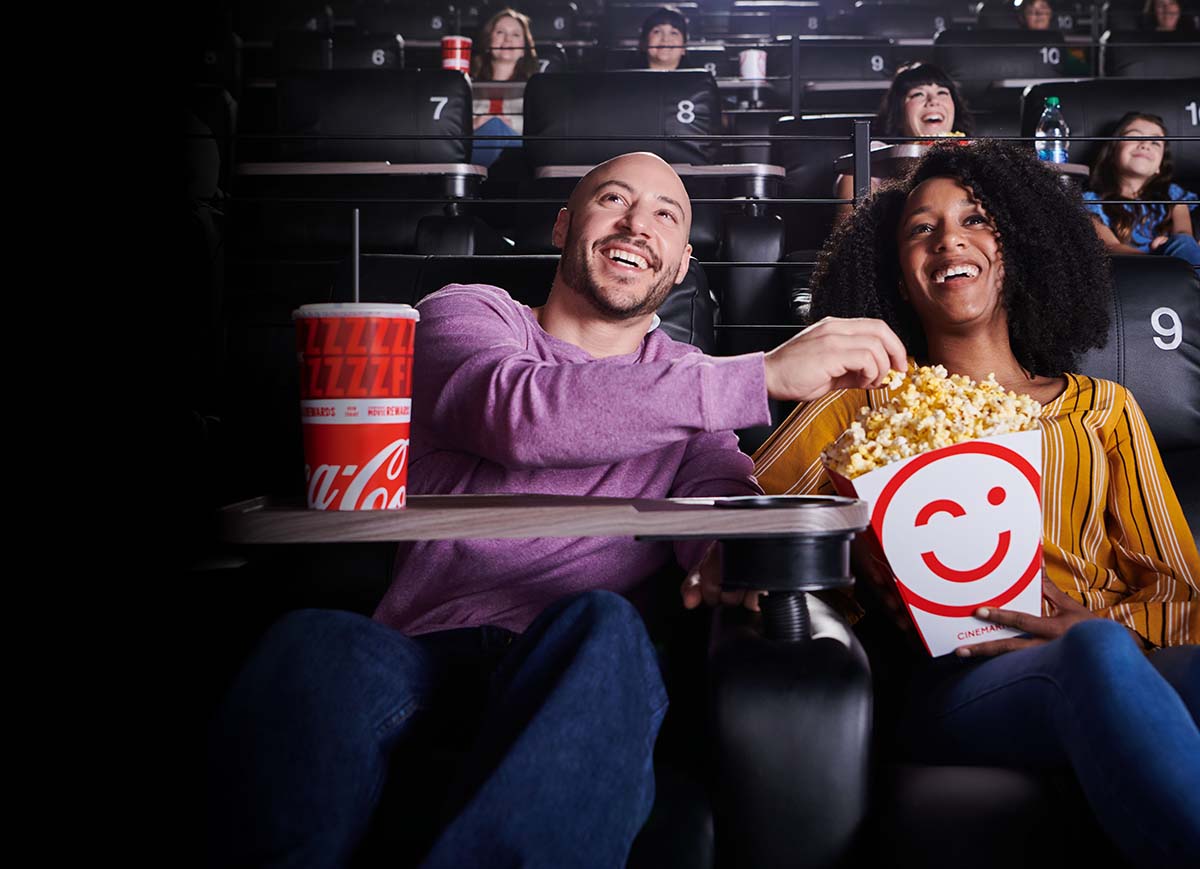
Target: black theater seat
{"points": [[413, 21], [552, 20], [571, 107], [368, 51], [826, 58], [1092, 108], [878, 18], [297, 50], [1142, 54], [770, 18], [810, 173], [977, 58]]}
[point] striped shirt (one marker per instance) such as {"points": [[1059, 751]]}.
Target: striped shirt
{"points": [[1114, 536]]}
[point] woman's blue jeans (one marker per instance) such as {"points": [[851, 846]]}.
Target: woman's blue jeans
{"points": [[1124, 722], [1183, 246], [560, 774]]}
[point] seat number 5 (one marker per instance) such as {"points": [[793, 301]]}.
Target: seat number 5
{"points": [[686, 113], [1172, 335]]}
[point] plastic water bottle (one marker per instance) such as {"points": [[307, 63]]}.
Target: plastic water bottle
{"points": [[1052, 133]]}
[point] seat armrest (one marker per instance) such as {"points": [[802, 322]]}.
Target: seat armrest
{"points": [[791, 726]]}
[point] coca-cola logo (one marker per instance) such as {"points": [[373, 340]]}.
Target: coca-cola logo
{"points": [[368, 487]]}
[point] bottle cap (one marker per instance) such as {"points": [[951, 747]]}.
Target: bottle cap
{"points": [[1052, 101]]}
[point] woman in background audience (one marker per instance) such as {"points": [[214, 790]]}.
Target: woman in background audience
{"points": [[509, 54], [1035, 15], [922, 101], [1164, 16], [664, 39], [964, 260], [1141, 170]]}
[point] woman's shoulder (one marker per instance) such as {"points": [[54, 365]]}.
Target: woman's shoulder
{"points": [[1096, 397]]}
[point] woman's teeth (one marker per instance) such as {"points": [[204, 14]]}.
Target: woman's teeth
{"points": [[958, 271]]}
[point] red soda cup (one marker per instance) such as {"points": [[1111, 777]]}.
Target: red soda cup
{"points": [[355, 403], [456, 53]]}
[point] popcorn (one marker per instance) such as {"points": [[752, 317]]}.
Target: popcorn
{"points": [[931, 411]]}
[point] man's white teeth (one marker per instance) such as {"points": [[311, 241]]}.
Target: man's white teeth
{"points": [[956, 271], [627, 258]]}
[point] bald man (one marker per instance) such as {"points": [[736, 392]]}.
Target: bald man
{"points": [[532, 642]]}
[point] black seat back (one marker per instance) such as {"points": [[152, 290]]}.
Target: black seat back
{"points": [[368, 51], [974, 58], [810, 173], [363, 103], [824, 58], [1154, 351], [1147, 54], [1092, 108], [631, 103]]}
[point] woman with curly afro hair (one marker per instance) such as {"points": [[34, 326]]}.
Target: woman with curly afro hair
{"points": [[982, 262]]}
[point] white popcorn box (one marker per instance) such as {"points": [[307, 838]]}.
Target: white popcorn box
{"points": [[960, 527]]}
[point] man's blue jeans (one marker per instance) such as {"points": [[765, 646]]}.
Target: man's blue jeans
{"points": [[560, 775], [1124, 722]]}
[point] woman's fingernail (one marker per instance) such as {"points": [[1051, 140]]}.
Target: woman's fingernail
{"points": [[983, 612], [964, 652]]}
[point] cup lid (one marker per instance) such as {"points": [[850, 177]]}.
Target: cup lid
{"points": [[357, 309]]}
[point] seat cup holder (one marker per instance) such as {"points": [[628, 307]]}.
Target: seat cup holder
{"points": [[787, 566]]}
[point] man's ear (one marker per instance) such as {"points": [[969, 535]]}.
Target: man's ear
{"points": [[683, 265], [561, 224]]}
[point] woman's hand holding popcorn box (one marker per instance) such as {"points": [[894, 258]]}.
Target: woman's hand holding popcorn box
{"points": [[951, 470]]}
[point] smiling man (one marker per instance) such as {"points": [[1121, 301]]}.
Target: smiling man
{"points": [[530, 644]]}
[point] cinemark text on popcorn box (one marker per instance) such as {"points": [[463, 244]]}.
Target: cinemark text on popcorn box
{"points": [[960, 527]]}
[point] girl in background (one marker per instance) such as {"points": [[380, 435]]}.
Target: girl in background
{"points": [[1141, 170]]}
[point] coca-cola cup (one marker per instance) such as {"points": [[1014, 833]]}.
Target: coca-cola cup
{"points": [[355, 403], [456, 53]]}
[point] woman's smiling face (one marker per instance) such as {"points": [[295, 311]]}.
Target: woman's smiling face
{"points": [[928, 110], [950, 259]]}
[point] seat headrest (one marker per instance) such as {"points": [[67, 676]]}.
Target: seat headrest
{"points": [[836, 57], [1154, 345], [356, 102], [624, 103], [411, 23], [990, 55], [1142, 54]]}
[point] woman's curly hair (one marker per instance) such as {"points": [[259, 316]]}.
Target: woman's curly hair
{"points": [[1057, 289]]}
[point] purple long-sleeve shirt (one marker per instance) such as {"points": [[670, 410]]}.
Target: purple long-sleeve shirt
{"points": [[502, 407]]}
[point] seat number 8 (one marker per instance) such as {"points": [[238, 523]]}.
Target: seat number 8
{"points": [[686, 113]]}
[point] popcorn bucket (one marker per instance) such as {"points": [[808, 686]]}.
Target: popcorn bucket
{"points": [[958, 528]]}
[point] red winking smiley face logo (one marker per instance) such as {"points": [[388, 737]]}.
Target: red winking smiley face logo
{"points": [[980, 547]]}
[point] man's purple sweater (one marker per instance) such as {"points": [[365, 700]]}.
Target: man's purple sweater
{"points": [[502, 407]]}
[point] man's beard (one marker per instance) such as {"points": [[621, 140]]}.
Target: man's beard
{"points": [[578, 274]]}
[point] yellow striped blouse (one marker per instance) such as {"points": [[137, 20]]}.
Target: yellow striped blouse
{"points": [[1114, 535]]}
